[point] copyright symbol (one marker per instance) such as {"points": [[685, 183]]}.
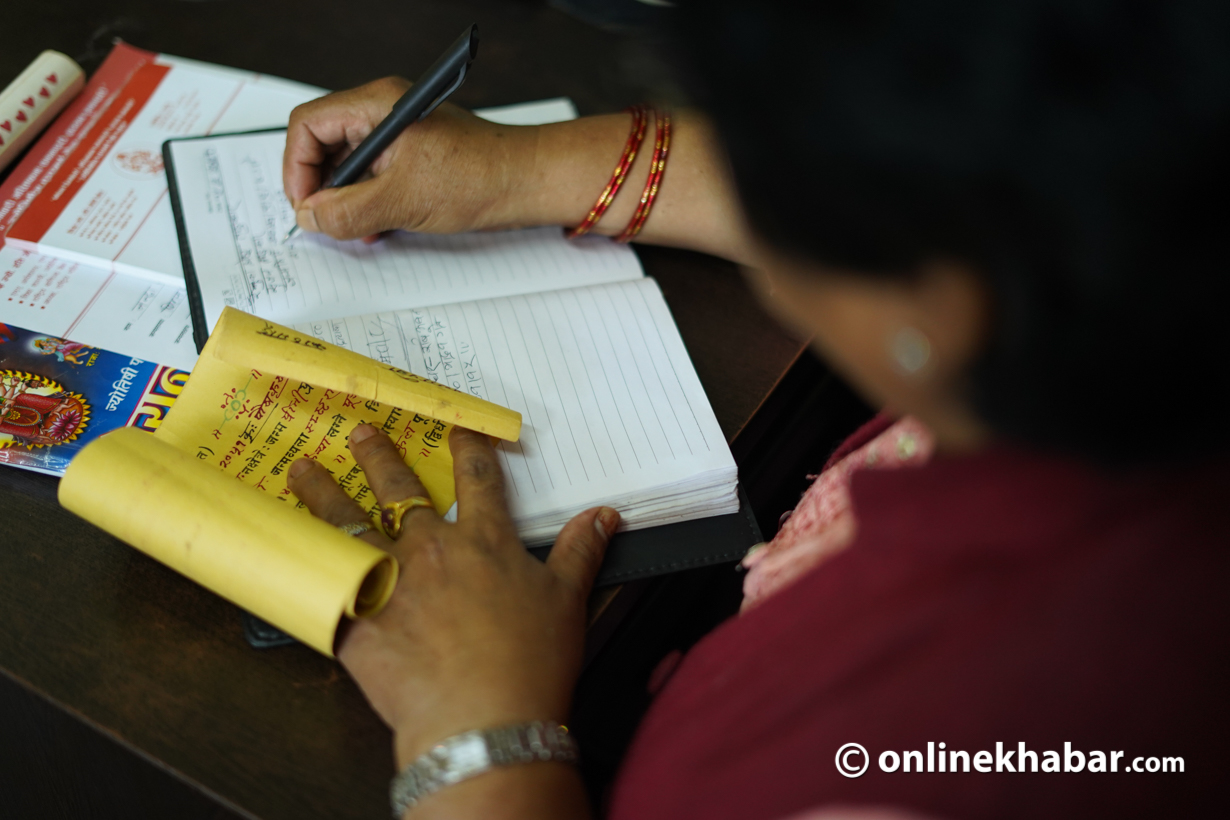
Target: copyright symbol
{"points": [[844, 764]]}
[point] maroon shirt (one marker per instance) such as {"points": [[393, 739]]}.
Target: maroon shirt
{"points": [[1003, 597]]}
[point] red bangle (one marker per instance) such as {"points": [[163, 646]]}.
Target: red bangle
{"points": [[640, 119], [661, 147]]}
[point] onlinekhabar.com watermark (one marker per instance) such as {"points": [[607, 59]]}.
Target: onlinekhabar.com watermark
{"points": [[853, 760]]}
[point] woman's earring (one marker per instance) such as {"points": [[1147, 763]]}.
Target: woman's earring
{"points": [[911, 350]]}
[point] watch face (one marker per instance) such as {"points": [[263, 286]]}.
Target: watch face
{"points": [[467, 755]]}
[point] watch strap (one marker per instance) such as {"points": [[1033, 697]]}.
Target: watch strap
{"points": [[463, 756]]}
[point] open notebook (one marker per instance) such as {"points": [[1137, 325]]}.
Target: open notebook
{"points": [[611, 407], [570, 334], [91, 254]]}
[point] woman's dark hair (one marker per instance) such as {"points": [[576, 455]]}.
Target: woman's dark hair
{"points": [[1075, 153]]}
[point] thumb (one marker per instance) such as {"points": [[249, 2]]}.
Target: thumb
{"points": [[350, 212], [578, 550]]}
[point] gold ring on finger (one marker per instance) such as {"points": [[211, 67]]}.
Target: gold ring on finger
{"points": [[392, 514]]}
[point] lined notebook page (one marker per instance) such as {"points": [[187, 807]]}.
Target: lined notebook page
{"points": [[236, 214], [611, 404]]}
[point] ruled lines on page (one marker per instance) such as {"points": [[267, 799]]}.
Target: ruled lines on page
{"points": [[611, 405], [236, 214]]}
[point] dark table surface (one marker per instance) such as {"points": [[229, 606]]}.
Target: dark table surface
{"points": [[99, 632]]}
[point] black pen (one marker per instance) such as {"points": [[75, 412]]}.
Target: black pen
{"points": [[437, 83]]}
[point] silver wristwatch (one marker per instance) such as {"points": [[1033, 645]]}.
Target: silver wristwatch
{"points": [[465, 755]]}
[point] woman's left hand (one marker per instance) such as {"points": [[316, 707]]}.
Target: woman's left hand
{"points": [[478, 633]]}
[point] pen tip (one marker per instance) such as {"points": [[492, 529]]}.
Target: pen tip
{"points": [[290, 234]]}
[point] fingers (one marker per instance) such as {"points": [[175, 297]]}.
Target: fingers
{"points": [[387, 474], [353, 212], [479, 479], [318, 129], [577, 554], [312, 484]]}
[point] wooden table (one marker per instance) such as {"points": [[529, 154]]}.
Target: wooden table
{"points": [[125, 690]]}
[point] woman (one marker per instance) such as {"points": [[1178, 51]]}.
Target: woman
{"points": [[999, 220]]}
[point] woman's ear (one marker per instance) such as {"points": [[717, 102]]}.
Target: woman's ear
{"points": [[945, 313], [904, 342], [934, 325]]}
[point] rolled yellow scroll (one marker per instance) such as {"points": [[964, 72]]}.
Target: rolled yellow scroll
{"points": [[292, 570]]}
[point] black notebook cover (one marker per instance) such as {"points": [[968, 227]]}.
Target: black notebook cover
{"points": [[630, 556]]}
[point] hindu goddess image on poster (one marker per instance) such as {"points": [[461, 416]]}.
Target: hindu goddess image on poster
{"points": [[57, 395]]}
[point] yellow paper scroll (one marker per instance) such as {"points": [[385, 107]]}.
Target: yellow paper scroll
{"points": [[263, 395], [253, 425], [292, 570], [245, 340]]}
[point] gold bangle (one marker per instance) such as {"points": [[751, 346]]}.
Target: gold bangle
{"points": [[392, 514]]}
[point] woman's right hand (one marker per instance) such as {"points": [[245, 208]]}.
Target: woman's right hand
{"points": [[449, 173], [454, 172]]}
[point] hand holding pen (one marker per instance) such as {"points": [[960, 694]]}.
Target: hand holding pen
{"points": [[454, 172], [313, 141]]}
